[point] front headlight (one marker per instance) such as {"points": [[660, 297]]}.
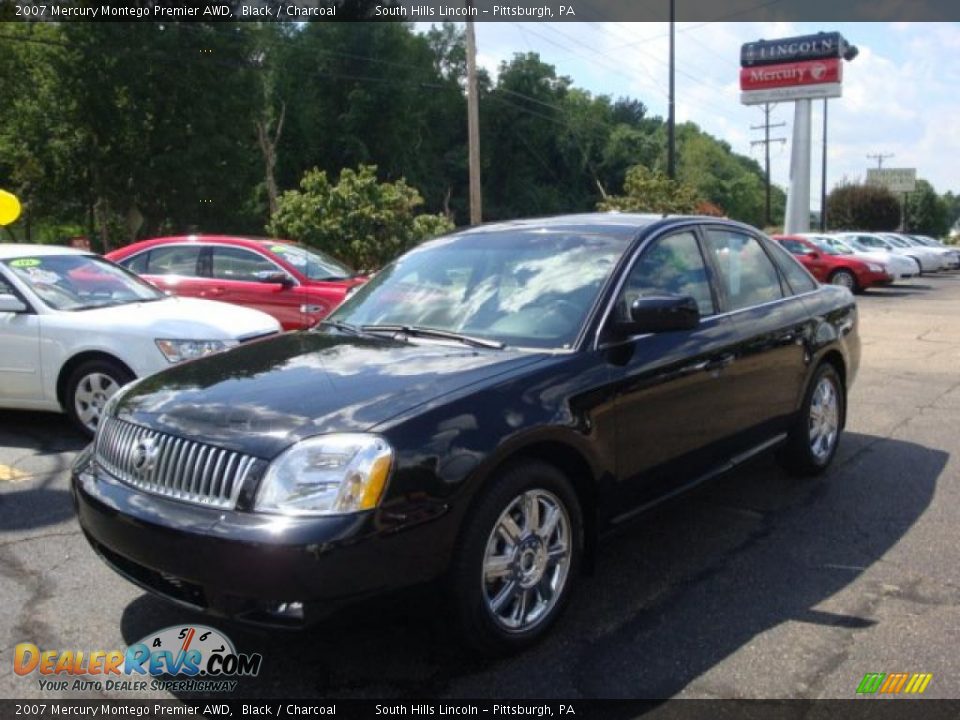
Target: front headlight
{"points": [[179, 350], [875, 267], [327, 475]]}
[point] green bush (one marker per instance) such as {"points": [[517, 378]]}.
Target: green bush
{"points": [[862, 207], [652, 191], [360, 220]]}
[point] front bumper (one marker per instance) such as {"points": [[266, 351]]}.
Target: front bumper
{"points": [[264, 569], [870, 279]]}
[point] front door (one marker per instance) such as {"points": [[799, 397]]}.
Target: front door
{"points": [[671, 388], [20, 376]]}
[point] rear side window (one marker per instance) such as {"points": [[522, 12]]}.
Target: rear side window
{"points": [[798, 278], [794, 246], [170, 260], [747, 274]]}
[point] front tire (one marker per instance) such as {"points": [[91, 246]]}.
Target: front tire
{"points": [[518, 558], [813, 440], [88, 389], [846, 279]]}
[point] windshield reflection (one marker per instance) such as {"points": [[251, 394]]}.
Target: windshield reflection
{"points": [[528, 288]]}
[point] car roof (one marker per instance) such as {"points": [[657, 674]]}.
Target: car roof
{"points": [[613, 223], [18, 250]]}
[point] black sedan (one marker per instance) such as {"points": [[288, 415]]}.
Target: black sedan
{"points": [[477, 415]]}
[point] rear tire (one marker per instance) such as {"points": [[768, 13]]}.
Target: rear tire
{"points": [[517, 559], [88, 389], [813, 440]]}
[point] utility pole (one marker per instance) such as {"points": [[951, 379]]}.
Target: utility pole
{"points": [[767, 109], [672, 115], [823, 173], [473, 124], [880, 157]]}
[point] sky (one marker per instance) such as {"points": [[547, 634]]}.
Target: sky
{"points": [[900, 95]]}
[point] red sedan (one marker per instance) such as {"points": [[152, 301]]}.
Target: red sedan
{"points": [[298, 286], [828, 266]]}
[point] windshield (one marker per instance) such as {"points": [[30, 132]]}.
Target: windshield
{"points": [[841, 246], [897, 242], [80, 282], [529, 288], [857, 245], [823, 244], [312, 263]]}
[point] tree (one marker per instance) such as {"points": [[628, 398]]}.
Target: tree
{"points": [[652, 191], [862, 207], [359, 219], [926, 213]]}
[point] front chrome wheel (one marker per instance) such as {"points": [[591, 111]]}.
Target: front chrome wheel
{"points": [[527, 560], [91, 395], [845, 279], [824, 420]]}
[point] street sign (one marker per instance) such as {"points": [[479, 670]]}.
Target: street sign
{"points": [[791, 49], [810, 72], [898, 180], [798, 92]]}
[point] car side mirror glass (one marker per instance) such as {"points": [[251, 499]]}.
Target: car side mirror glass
{"points": [[813, 254], [11, 304], [275, 278], [660, 313]]}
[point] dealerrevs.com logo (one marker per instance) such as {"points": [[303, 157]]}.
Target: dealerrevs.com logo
{"points": [[193, 658]]}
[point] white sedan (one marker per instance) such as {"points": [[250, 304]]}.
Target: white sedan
{"points": [[900, 267], [75, 327]]}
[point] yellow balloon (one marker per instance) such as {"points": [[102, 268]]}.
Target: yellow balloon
{"points": [[9, 207]]}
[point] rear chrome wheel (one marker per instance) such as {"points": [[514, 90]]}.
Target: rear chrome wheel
{"points": [[815, 435]]}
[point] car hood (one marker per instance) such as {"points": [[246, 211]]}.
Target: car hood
{"points": [[177, 318], [262, 397]]}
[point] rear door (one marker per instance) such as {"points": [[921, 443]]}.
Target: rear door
{"points": [[175, 269], [771, 325]]}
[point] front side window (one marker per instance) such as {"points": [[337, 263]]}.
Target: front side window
{"points": [[669, 266], [312, 263], [527, 288], [747, 274], [795, 247], [232, 263], [80, 282]]}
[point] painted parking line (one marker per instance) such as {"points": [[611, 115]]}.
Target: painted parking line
{"points": [[11, 474]]}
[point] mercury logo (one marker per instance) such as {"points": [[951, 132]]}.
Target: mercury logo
{"points": [[818, 70], [144, 456]]}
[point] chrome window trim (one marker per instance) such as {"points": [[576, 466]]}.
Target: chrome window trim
{"points": [[597, 345]]}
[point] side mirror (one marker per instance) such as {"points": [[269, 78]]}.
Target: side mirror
{"points": [[11, 304], [813, 254], [660, 313], [275, 278]]}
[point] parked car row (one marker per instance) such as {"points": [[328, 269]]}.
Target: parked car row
{"points": [[860, 260]]}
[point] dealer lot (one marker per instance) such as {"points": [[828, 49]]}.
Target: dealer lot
{"points": [[758, 585]]}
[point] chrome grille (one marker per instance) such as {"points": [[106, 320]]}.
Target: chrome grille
{"points": [[172, 466]]}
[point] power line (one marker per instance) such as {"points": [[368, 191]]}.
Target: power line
{"points": [[880, 157], [766, 127]]}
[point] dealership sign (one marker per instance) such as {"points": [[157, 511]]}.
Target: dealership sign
{"points": [[803, 47], [898, 180], [797, 68], [811, 72]]}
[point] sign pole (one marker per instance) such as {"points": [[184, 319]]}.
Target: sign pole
{"points": [[798, 198]]}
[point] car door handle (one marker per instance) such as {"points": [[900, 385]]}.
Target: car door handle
{"points": [[715, 363], [216, 291]]}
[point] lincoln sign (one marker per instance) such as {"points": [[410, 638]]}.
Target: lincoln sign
{"points": [[804, 67]]}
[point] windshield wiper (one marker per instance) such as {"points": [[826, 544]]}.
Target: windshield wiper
{"points": [[419, 331], [347, 328]]}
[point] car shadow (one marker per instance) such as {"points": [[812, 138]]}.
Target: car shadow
{"points": [[674, 594], [42, 432], [896, 291]]}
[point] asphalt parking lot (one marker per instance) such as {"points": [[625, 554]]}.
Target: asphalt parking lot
{"points": [[758, 585]]}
